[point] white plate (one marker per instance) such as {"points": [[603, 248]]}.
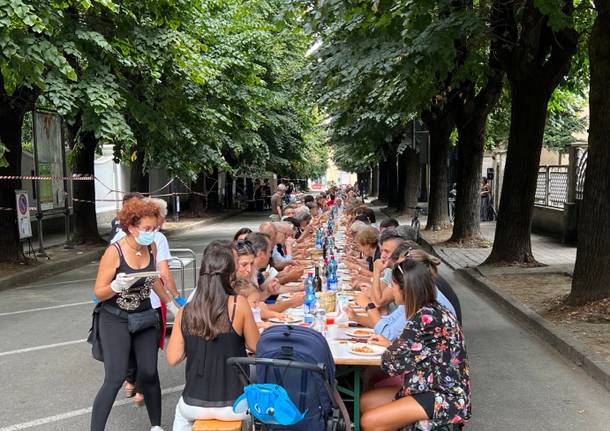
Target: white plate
{"points": [[360, 332], [375, 350], [143, 274], [289, 320]]}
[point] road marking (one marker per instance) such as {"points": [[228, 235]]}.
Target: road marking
{"points": [[79, 412], [31, 310], [46, 346], [31, 286]]}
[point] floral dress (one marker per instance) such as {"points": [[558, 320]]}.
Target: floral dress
{"points": [[431, 354]]}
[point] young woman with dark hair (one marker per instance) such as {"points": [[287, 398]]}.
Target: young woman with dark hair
{"points": [[430, 354], [242, 233], [215, 325]]}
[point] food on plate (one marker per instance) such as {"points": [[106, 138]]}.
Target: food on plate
{"points": [[361, 332], [363, 349]]}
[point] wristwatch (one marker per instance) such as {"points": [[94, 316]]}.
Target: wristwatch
{"points": [[370, 306]]}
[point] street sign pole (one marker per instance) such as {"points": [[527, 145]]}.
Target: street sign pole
{"points": [[39, 213]]}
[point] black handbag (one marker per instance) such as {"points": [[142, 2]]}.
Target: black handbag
{"points": [[94, 337], [137, 322]]}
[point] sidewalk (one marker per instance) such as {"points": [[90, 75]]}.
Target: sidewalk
{"points": [[534, 296], [62, 259], [549, 251]]}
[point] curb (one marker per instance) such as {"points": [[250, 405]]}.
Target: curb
{"points": [[54, 268], [48, 269], [569, 347]]}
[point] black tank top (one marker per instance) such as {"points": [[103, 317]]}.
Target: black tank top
{"points": [[210, 382], [137, 298]]}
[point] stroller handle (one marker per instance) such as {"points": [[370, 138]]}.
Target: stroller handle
{"points": [[284, 363]]}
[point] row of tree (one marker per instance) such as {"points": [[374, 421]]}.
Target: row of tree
{"points": [[461, 66], [194, 87]]}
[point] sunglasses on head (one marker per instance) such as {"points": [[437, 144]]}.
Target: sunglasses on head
{"points": [[243, 244]]}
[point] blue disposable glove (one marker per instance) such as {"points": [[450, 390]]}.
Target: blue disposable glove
{"points": [[180, 301]]}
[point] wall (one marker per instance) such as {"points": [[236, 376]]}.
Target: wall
{"points": [[551, 157], [549, 221]]}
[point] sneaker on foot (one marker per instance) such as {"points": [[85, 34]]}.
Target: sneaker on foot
{"points": [[156, 428]]}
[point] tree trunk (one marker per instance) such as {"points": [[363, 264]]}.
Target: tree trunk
{"points": [[11, 121], [85, 218], [472, 112], [383, 181], [139, 178], [211, 190], [592, 271], [392, 181], [440, 125], [198, 202], [512, 243], [228, 191], [375, 181], [408, 181], [467, 225]]}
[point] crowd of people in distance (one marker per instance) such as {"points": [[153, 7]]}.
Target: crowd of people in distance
{"points": [[414, 313]]}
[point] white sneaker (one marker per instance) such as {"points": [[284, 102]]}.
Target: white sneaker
{"points": [[156, 428]]}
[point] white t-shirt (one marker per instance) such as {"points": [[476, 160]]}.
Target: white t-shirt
{"points": [[163, 253]]}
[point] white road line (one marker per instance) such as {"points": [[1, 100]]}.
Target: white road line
{"points": [[75, 413], [31, 286], [46, 346], [53, 307]]}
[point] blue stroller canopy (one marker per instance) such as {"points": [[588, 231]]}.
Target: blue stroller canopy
{"points": [[269, 404]]}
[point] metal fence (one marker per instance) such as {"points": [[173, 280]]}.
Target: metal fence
{"points": [[552, 186], [581, 168]]}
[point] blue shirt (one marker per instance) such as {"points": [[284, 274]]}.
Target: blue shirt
{"points": [[391, 326]]}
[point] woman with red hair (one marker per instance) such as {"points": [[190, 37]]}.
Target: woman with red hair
{"points": [[126, 318]]}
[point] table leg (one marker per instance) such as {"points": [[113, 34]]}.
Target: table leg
{"points": [[356, 398]]}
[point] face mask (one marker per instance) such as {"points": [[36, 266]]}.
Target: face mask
{"points": [[387, 276], [145, 238]]}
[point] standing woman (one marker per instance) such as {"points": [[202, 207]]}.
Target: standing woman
{"points": [[126, 317], [485, 195], [217, 324], [430, 354]]}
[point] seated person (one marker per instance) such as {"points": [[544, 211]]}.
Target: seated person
{"points": [[215, 325], [241, 234], [367, 242], [391, 326], [261, 313], [431, 356], [380, 295], [388, 223], [284, 240]]}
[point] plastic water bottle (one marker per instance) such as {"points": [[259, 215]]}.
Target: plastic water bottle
{"points": [[332, 274], [309, 302], [319, 239]]}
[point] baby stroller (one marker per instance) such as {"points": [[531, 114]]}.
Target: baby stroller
{"points": [[299, 360]]}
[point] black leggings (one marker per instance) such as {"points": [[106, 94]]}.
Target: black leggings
{"points": [[132, 368], [116, 344]]}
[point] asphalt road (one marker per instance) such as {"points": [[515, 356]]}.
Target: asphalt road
{"points": [[48, 379]]}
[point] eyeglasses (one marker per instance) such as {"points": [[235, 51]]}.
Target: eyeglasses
{"points": [[243, 244], [149, 229]]}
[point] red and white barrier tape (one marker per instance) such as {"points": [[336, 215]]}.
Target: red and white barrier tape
{"points": [[75, 177]]}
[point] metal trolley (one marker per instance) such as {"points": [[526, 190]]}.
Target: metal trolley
{"points": [[182, 260]]}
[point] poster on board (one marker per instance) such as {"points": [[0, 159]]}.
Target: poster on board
{"points": [[23, 214]]}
